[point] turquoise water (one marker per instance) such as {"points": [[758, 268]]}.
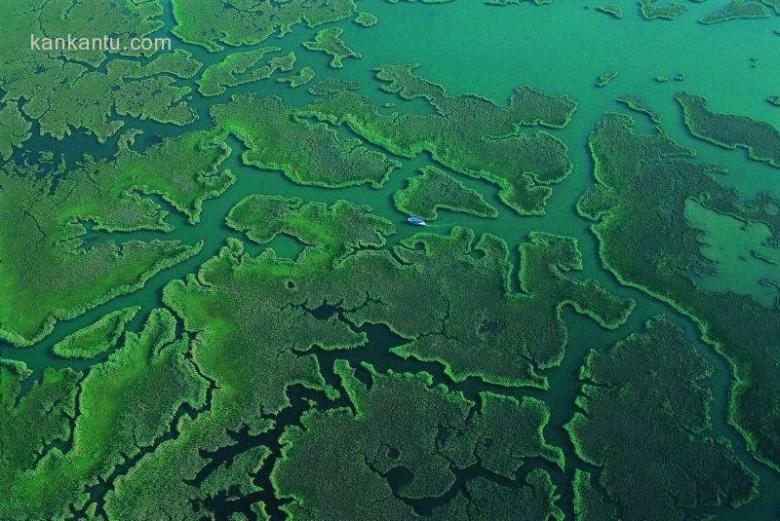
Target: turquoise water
{"points": [[744, 264], [560, 48]]}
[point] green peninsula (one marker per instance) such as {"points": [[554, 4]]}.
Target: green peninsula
{"points": [[761, 139], [97, 337], [330, 42], [434, 189]]}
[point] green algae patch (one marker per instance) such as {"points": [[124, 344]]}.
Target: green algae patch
{"points": [[434, 189], [664, 10], [613, 10], [648, 396], [233, 364], [240, 68], [761, 139], [365, 19], [306, 152], [302, 77], [528, 107], [735, 10], [329, 41], [606, 78], [96, 338], [774, 100], [430, 444], [216, 23], [124, 405], [468, 134], [643, 184]]}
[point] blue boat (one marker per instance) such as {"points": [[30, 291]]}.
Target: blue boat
{"points": [[417, 221]]}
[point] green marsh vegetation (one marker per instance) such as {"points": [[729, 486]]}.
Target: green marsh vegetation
{"points": [[606, 78], [241, 68], [307, 152], [302, 77], [96, 338], [663, 10], [761, 139], [434, 189], [613, 10], [49, 275], [212, 304], [216, 24], [735, 10], [661, 171], [469, 134], [644, 398], [366, 19], [54, 87], [330, 42], [451, 438]]}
